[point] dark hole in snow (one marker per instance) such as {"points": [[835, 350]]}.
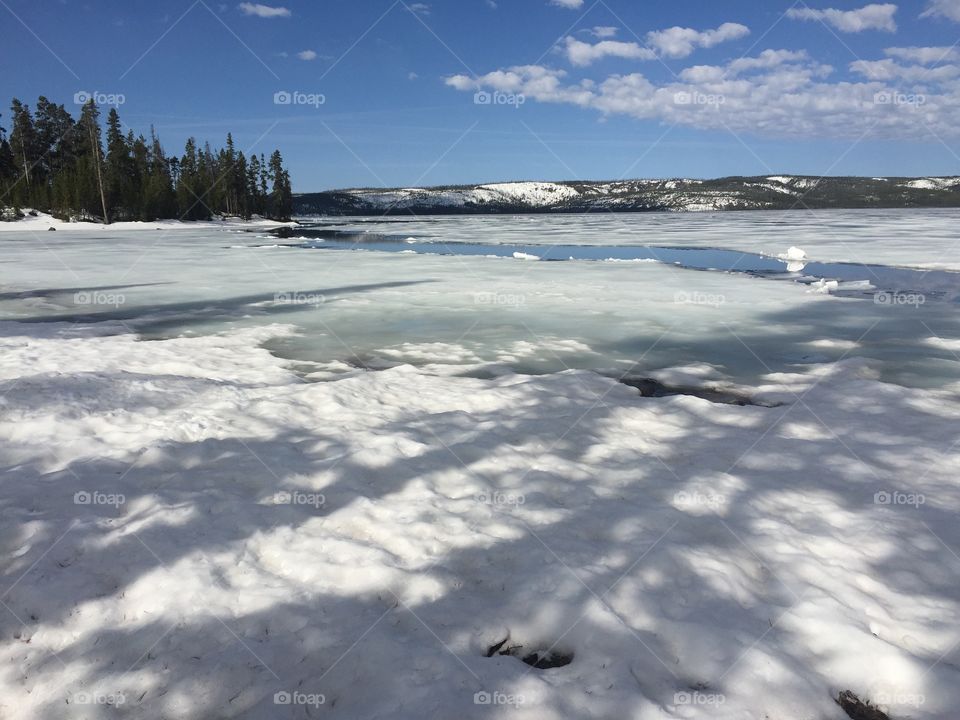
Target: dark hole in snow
{"points": [[858, 709], [649, 387], [540, 659]]}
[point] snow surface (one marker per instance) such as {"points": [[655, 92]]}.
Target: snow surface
{"points": [[529, 194], [35, 221], [189, 525], [933, 183], [363, 542]]}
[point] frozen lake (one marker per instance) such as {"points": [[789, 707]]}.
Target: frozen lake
{"points": [[636, 294], [211, 507]]}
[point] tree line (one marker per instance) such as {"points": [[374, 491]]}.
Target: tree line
{"points": [[61, 165]]}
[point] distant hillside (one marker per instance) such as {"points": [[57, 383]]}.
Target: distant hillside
{"points": [[732, 193]]}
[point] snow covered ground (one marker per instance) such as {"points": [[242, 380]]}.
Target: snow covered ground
{"points": [[34, 221], [191, 528]]}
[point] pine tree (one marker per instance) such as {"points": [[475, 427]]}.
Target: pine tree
{"points": [[8, 168], [117, 167], [281, 198], [55, 163], [253, 186], [139, 173], [23, 143], [55, 131], [160, 200]]}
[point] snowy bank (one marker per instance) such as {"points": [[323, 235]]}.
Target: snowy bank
{"points": [[191, 530], [34, 221]]}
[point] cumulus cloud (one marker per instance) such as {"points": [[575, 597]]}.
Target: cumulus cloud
{"points": [[924, 55], [673, 42], [307, 55], [581, 53], [571, 4], [949, 9], [765, 60], [869, 17], [782, 93], [263, 11], [680, 42]]}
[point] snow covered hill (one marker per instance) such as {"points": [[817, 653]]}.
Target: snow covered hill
{"points": [[735, 193]]}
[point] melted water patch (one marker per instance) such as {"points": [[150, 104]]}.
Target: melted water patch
{"points": [[882, 283]]}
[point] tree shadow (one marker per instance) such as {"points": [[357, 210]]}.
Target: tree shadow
{"points": [[674, 546]]}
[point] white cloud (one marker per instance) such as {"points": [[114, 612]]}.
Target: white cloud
{"points": [[888, 70], [581, 53], [782, 93], [672, 42], [925, 55], [419, 8], [264, 11], [680, 42], [765, 60], [571, 4], [603, 32], [307, 55], [869, 17], [949, 9]]}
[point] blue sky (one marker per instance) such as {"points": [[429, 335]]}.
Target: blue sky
{"points": [[577, 89]]}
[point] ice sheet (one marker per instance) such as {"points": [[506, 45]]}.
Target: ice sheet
{"points": [[910, 238], [487, 315]]}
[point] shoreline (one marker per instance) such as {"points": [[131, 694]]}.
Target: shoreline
{"points": [[35, 221]]}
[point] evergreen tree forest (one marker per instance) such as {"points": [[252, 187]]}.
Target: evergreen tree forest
{"points": [[53, 162]]}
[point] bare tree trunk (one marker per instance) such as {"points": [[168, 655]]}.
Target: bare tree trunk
{"points": [[96, 156], [26, 169]]}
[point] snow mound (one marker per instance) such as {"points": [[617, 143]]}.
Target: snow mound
{"points": [[190, 527], [794, 253]]}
